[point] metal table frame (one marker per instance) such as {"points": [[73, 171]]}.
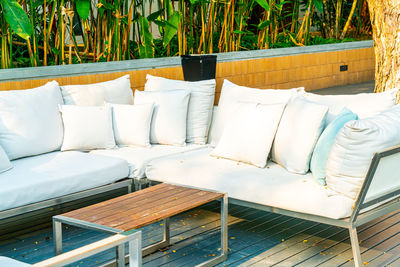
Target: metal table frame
{"points": [[59, 220]]}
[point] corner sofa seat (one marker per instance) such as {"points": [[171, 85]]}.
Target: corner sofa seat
{"points": [[138, 157], [55, 174], [272, 186]]}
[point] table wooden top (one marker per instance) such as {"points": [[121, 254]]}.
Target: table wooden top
{"points": [[141, 208]]}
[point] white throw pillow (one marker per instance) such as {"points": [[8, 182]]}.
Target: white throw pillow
{"points": [[301, 125], [248, 135], [200, 104], [116, 91], [232, 93], [30, 123], [5, 163], [364, 105], [168, 125], [87, 128], [131, 124], [355, 146]]}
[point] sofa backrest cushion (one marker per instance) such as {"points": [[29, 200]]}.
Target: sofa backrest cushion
{"points": [[232, 93], [87, 128], [248, 135], [30, 123], [131, 124], [168, 124], [364, 105], [301, 125], [116, 91], [200, 104], [5, 163], [355, 146], [325, 142]]}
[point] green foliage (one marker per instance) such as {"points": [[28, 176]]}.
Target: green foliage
{"points": [[44, 32], [17, 18]]}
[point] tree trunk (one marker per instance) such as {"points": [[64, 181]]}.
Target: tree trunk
{"points": [[385, 19]]}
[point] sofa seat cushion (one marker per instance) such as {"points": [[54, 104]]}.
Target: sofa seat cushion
{"points": [[56, 174], [4, 261], [137, 157], [272, 186]]}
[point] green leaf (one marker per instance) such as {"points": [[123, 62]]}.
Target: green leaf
{"points": [[263, 24], [319, 5], [155, 15], [17, 18], [146, 48], [264, 4], [83, 8], [171, 27]]}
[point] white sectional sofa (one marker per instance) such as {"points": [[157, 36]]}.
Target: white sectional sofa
{"points": [[64, 143]]}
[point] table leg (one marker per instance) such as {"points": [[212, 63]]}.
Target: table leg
{"points": [[121, 255], [57, 237], [162, 244], [135, 251], [224, 236], [166, 236]]}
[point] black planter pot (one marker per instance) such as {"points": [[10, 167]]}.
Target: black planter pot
{"points": [[197, 68]]}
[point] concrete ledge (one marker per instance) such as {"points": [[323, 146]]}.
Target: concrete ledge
{"points": [[153, 63]]}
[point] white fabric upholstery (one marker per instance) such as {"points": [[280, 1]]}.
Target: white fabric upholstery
{"points": [[87, 127], [131, 124], [8, 262], [364, 105], [200, 104], [168, 124], [5, 163], [116, 91], [30, 123], [301, 125], [272, 186], [248, 135], [232, 93], [354, 147], [138, 157], [56, 174]]}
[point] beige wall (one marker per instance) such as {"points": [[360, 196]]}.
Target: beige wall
{"points": [[313, 71]]}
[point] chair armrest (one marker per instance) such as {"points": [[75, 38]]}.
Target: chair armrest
{"points": [[97, 247]]}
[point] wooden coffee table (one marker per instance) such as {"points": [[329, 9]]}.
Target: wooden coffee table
{"points": [[141, 208]]}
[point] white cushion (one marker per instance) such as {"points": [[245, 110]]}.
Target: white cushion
{"points": [[56, 174], [364, 105], [272, 186], [200, 104], [87, 128], [168, 125], [5, 163], [30, 121], [248, 136], [232, 93], [116, 91], [301, 125], [138, 157], [4, 261], [131, 124], [355, 146]]}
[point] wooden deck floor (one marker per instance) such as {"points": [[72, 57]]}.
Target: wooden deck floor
{"points": [[256, 238]]}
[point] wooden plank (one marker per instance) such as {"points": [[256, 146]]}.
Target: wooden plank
{"points": [[340, 250], [104, 209], [116, 200], [138, 211], [165, 213]]}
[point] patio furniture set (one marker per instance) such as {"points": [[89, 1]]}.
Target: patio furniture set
{"points": [[329, 159]]}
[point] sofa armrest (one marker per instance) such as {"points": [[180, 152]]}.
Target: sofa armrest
{"points": [[382, 182], [133, 238]]}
